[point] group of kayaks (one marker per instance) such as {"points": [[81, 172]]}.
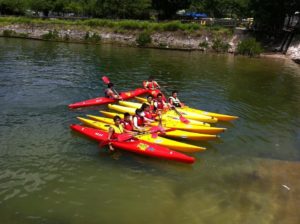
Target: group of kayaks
{"points": [[162, 142]]}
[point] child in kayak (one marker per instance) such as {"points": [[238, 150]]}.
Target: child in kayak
{"points": [[117, 128], [174, 101], [151, 84], [147, 114], [127, 123], [160, 104], [150, 101], [138, 121], [111, 93]]}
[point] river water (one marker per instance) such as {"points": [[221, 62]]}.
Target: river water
{"points": [[49, 174]]}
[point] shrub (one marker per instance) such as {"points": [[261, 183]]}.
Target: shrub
{"points": [[203, 44], [9, 33], [219, 45], [143, 39], [23, 35], [51, 35], [249, 47], [66, 37], [92, 38]]}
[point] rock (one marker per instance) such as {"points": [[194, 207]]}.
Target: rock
{"points": [[294, 49]]}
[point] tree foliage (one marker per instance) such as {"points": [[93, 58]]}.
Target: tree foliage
{"points": [[268, 15]]}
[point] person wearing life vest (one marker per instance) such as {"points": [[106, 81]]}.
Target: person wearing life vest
{"points": [[151, 84], [109, 92], [160, 104], [151, 104], [117, 128], [127, 123], [174, 101], [146, 113], [138, 121]]}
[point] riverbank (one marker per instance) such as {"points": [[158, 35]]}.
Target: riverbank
{"points": [[166, 35]]}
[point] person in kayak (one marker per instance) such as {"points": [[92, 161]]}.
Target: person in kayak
{"points": [[159, 103], [138, 121], [117, 128], [174, 101], [151, 84], [147, 114], [150, 101], [127, 123], [110, 93]]}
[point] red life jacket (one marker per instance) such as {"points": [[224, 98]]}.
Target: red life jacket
{"points": [[160, 104], [140, 120], [150, 85], [149, 115], [127, 125]]}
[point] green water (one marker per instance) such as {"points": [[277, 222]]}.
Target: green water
{"points": [[49, 174]]}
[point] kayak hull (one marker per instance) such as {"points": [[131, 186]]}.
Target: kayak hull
{"points": [[168, 123], [177, 134], [186, 109], [135, 146], [197, 117], [175, 145], [104, 100], [165, 116]]}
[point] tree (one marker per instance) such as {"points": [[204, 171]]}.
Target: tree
{"points": [[269, 15], [167, 8], [44, 6], [13, 7]]}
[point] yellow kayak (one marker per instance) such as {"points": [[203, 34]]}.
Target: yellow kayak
{"points": [[190, 110], [179, 146], [210, 135], [178, 125], [197, 117], [165, 116]]}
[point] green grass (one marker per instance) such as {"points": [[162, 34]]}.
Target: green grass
{"points": [[114, 24]]}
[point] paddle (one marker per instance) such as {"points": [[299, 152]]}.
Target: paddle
{"points": [[153, 131], [181, 117], [106, 80]]}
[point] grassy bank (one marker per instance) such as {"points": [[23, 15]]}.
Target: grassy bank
{"points": [[168, 35], [119, 25]]}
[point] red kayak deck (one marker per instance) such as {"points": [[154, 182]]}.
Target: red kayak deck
{"points": [[105, 100], [135, 145]]}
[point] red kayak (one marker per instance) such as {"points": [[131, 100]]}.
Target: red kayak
{"points": [[155, 92], [135, 145], [105, 100]]}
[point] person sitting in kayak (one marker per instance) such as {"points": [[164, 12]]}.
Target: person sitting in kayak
{"points": [[147, 114], [151, 84], [110, 93], [138, 121], [150, 101], [117, 128], [174, 101], [159, 103], [127, 123]]}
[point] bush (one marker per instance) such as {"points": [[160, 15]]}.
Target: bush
{"points": [[9, 33], [143, 39], [203, 44], [249, 47], [23, 35], [51, 35], [92, 38], [219, 45], [66, 37]]}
